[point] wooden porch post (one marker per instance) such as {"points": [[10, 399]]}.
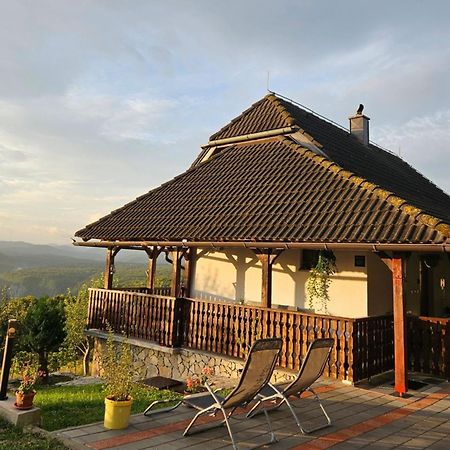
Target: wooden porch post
{"points": [[151, 270], [400, 344], [176, 273], [189, 262], [267, 258], [109, 267]]}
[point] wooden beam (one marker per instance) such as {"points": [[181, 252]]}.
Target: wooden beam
{"points": [[108, 274], [189, 262], [267, 258], [151, 270], [400, 344], [429, 248], [387, 260], [176, 273], [109, 267], [266, 288]]}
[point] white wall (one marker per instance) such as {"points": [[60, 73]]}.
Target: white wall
{"points": [[348, 290], [235, 275]]}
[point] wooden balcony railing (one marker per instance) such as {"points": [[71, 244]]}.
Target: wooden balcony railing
{"points": [[429, 345], [146, 290], [372, 346], [230, 329], [145, 316], [363, 347]]}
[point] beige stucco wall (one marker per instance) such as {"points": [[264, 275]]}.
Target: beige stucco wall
{"points": [[379, 286], [348, 290], [235, 275]]}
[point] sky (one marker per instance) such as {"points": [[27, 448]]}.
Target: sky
{"points": [[101, 101]]}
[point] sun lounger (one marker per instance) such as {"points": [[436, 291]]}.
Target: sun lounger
{"points": [[257, 372], [312, 368]]}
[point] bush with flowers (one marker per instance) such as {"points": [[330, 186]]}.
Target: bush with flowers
{"points": [[26, 365], [196, 383]]}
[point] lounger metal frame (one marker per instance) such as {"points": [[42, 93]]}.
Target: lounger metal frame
{"points": [[302, 383]]}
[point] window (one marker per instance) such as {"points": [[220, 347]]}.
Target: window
{"points": [[360, 261]]}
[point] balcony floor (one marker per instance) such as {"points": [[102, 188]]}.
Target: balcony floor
{"points": [[361, 418]]}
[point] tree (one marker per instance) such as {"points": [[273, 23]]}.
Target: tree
{"points": [[13, 308], [43, 329], [77, 342]]}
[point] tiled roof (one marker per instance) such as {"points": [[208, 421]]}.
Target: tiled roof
{"points": [[374, 164], [272, 190]]}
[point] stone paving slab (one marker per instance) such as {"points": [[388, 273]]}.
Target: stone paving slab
{"points": [[361, 418]]}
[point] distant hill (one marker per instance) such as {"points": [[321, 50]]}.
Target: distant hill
{"points": [[20, 255], [30, 269]]}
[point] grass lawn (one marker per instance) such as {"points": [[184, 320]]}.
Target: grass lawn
{"points": [[66, 406], [13, 438]]}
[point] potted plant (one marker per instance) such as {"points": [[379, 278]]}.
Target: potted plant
{"points": [[116, 368], [27, 365]]}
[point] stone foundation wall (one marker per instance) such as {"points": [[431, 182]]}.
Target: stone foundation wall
{"points": [[178, 363]]}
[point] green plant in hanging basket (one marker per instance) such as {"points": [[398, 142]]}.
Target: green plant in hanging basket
{"points": [[319, 280]]}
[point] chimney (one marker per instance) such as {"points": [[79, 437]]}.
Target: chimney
{"points": [[359, 126]]}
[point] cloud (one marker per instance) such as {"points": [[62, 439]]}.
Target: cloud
{"points": [[101, 101], [122, 118], [11, 156], [423, 142]]}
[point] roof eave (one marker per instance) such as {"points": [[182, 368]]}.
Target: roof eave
{"points": [[375, 247]]}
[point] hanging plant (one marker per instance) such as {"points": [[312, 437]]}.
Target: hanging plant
{"points": [[319, 279]]}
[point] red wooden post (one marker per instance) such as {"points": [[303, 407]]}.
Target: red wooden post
{"points": [[401, 374]]}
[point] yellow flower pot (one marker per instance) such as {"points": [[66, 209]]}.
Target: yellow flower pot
{"points": [[117, 414]]}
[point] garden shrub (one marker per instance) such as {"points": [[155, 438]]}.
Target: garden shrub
{"points": [[42, 328]]}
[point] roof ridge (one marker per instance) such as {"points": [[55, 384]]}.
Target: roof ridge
{"points": [[269, 97], [403, 205], [243, 114], [283, 111], [277, 101], [308, 111], [329, 122]]}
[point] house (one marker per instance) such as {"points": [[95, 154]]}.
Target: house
{"points": [[270, 190]]}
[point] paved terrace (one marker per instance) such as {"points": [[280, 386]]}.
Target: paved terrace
{"points": [[372, 418]]}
